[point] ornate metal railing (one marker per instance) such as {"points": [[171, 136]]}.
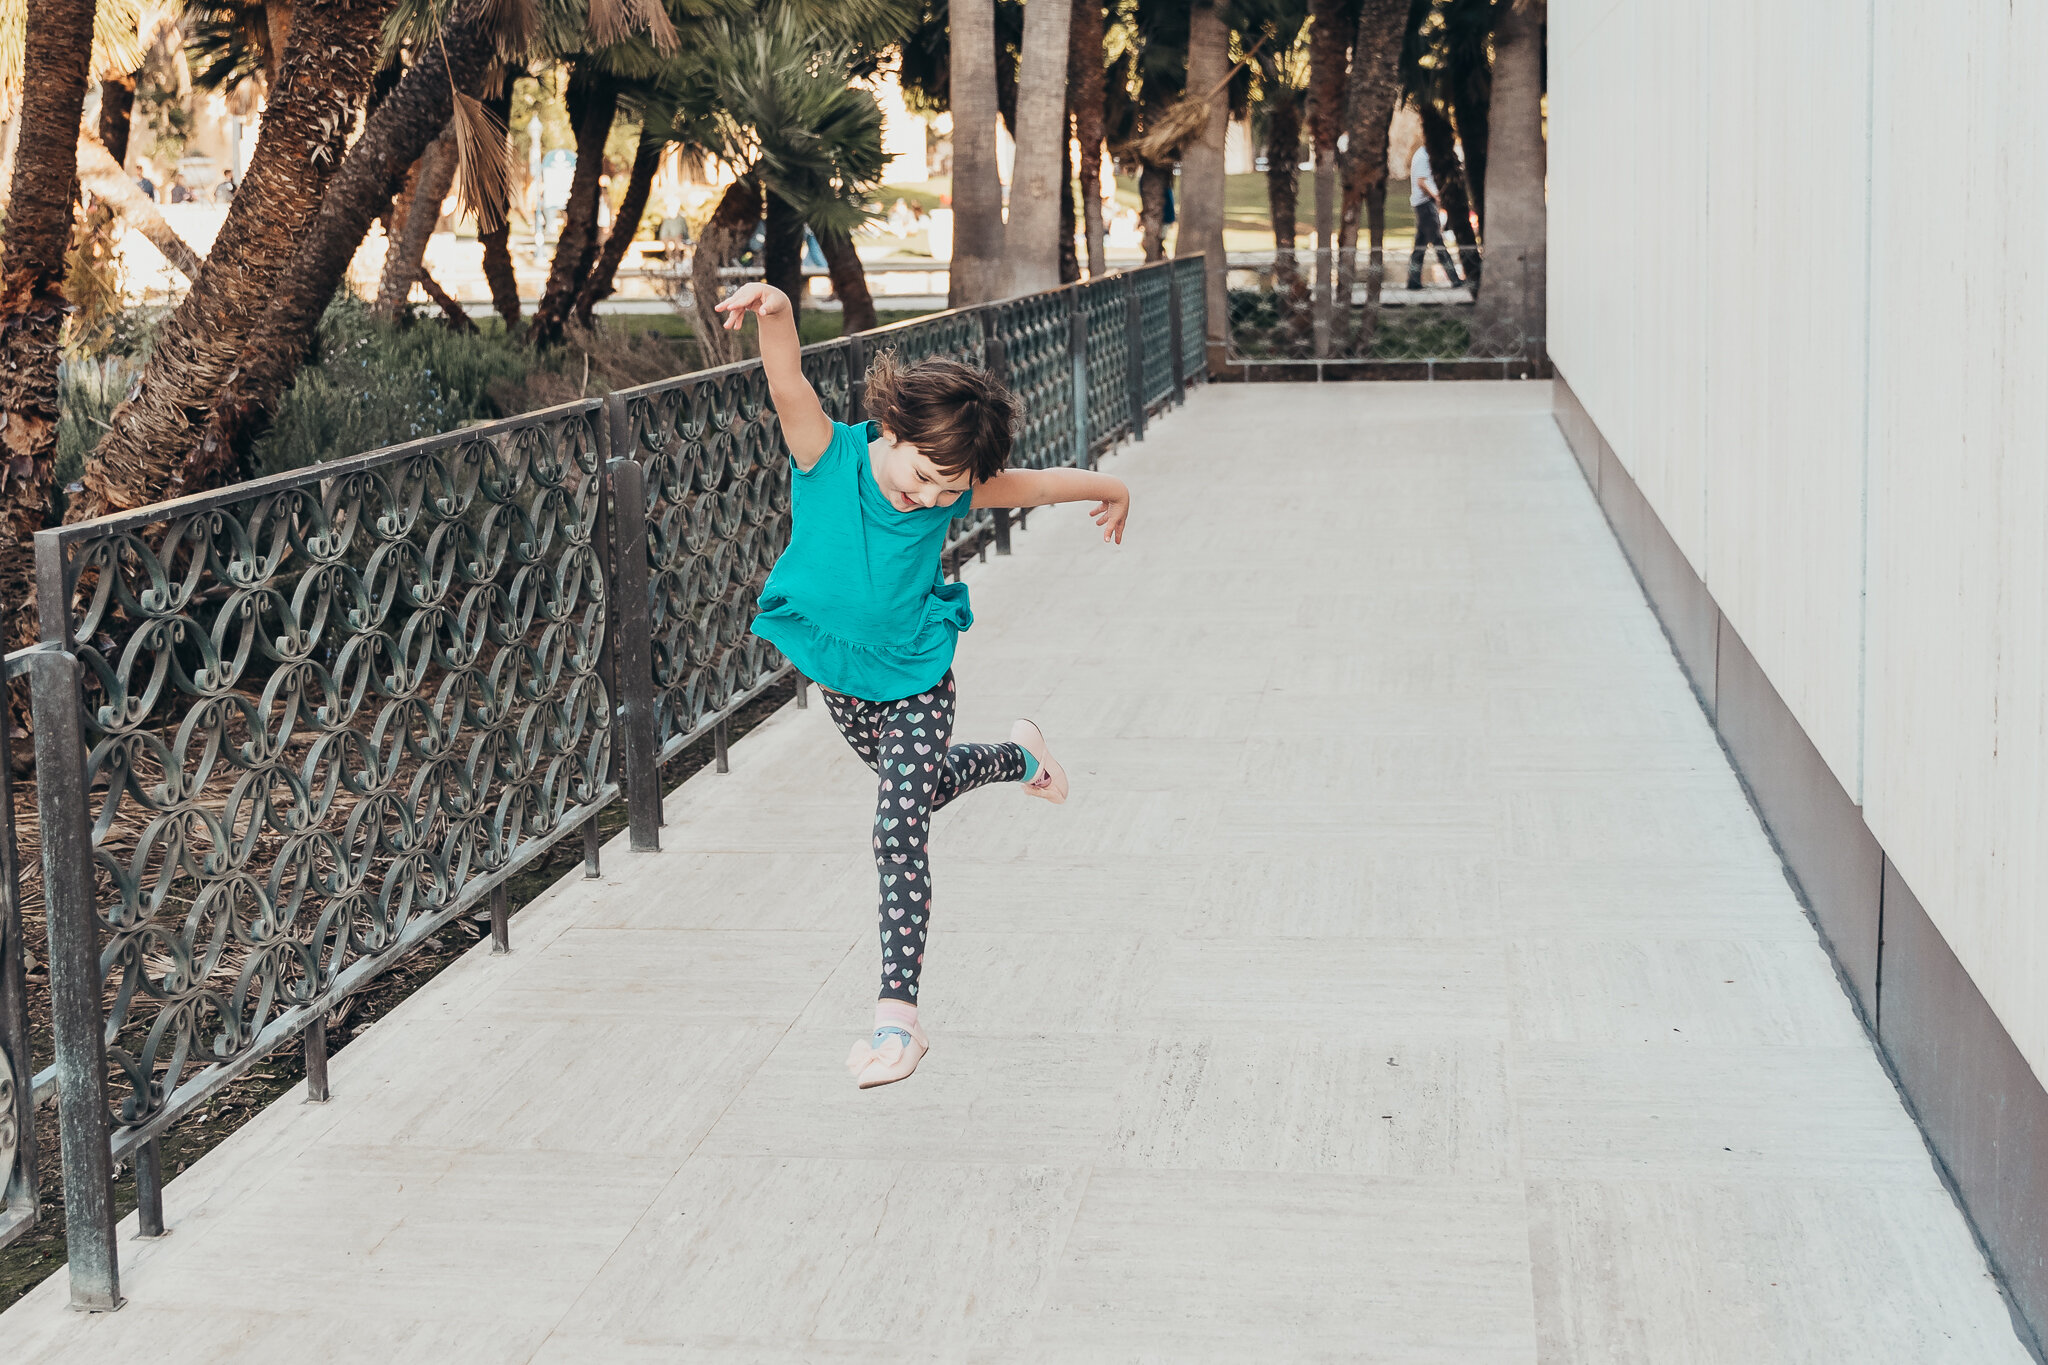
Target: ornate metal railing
{"points": [[288, 730], [1387, 317]]}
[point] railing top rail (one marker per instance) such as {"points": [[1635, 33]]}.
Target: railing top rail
{"points": [[170, 510]]}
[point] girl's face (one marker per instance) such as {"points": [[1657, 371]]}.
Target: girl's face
{"points": [[909, 480]]}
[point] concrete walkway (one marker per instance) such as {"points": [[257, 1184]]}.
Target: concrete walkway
{"points": [[1407, 981]]}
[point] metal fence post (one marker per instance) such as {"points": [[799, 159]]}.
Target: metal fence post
{"points": [[149, 1189], [857, 354], [84, 1124], [1134, 350], [635, 736], [316, 1059], [1077, 351]]}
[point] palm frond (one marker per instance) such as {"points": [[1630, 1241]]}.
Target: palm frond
{"points": [[483, 162]]}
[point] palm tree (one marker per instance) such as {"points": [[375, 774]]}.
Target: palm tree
{"points": [[1512, 298], [976, 274], [1330, 37], [1201, 163], [655, 123], [57, 47], [394, 136], [323, 75], [1085, 92], [1375, 88], [768, 97], [411, 224], [593, 98], [495, 236], [1038, 173]]}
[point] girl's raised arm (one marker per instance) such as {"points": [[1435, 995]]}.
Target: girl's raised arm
{"points": [[805, 427]]}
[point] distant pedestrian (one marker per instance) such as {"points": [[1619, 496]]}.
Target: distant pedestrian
{"points": [[225, 190], [145, 184], [1424, 199]]}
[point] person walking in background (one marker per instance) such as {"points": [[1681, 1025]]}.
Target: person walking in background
{"points": [[1422, 197]]}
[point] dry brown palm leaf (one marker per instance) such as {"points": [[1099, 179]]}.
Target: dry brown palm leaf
{"points": [[483, 163], [653, 16], [609, 22], [1183, 121], [512, 25]]}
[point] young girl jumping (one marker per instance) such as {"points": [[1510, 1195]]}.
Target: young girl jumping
{"points": [[858, 602]]}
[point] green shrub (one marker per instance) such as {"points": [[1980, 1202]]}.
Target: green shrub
{"points": [[372, 385]]}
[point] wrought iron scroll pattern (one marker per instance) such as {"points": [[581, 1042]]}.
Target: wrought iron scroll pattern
{"points": [[1194, 314], [324, 712], [716, 474], [1104, 306], [1036, 340], [1155, 324]]}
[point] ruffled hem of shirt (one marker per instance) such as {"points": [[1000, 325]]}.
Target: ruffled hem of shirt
{"points": [[856, 668]]}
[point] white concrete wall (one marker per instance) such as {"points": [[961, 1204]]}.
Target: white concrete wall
{"points": [[1809, 310]]}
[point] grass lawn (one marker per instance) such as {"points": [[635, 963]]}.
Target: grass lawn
{"points": [[1248, 219]]}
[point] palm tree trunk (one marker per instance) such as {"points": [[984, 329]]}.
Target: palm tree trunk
{"points": [[117, 110], [56, 47], [1153, 184], [646, 161], [451, 307], [393, 137], [1085, 84], [407, 249], [1511, 303], [1328, 41], [593, 101], [277, 27], [1201, 162], [849, 282], [1070, 263], [104, 177], [323, 76], [1283, 185], [732, 222], [497, 243], [782, 250], [976, 271], [1375, 88], [1438, 137], [1038, 173]]}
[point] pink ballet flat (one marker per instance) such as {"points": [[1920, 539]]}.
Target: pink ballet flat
{"points": [[1051, 782], [890, 1055]]}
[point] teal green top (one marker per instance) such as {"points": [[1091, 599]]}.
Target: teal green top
{"points": [[858, 601]]}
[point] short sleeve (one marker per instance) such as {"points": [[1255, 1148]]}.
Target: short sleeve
{"points": [[961, 506], [843, 439]]}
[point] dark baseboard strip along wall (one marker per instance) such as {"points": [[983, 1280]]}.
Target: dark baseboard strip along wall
{"points": [[1984, 1114]]}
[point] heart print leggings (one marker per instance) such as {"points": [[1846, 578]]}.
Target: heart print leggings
{"points": [[917, 772]]}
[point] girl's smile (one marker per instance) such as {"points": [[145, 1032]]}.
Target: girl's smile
{"points": [[908, 479]]}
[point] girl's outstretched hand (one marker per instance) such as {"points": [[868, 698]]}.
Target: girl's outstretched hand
{"points": [[753, 297], [1110, 513]]}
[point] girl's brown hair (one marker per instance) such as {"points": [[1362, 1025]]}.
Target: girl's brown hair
{"points": [[959, 417]]}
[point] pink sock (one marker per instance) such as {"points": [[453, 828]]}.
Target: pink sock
{"points": [[895, 1013]]}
